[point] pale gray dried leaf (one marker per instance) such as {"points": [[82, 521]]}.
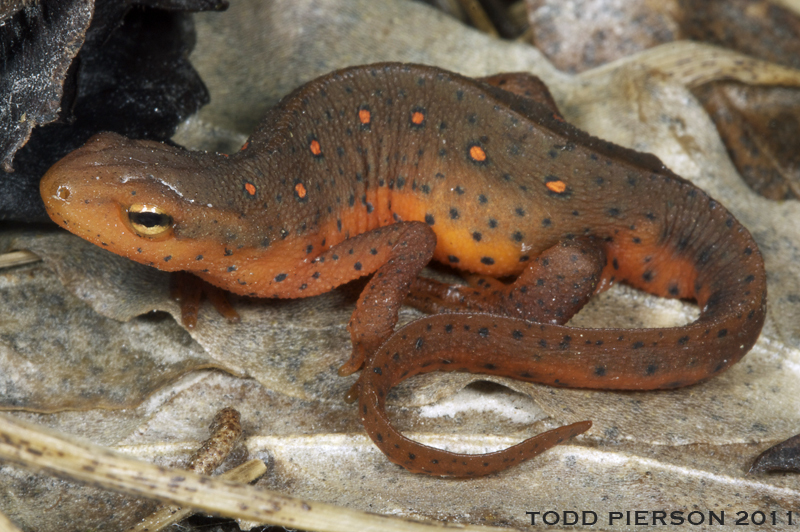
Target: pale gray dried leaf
{"points": [[59, 354]]}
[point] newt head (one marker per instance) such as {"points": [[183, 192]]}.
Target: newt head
{"points": [[145, 200]]}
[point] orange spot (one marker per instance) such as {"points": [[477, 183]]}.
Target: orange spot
{"points": [[246, 145], [250, 188], [556, 186], [299, 188], [477, 153], [417, 117], [558, 117], [364, 115], [316, 149]]}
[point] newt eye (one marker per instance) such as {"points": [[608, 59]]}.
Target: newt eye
{"points": [[149, 220]]}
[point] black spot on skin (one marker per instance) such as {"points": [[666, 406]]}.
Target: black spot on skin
{"points": [[199, 257], [231, 268], [543, 343], [673, 290], [748, 251], [357, 266], [419, 343], [484, 332], [476, 236], [429, 219], [453, 213], [492, 223], [377, 371], [722, 333], [638, 345], [458, 190], [546, 222], [482, 199], [448, 328], [647, 276], [280, 277], [651, 369], [615, 263], [519, 211], [600, 371], [613, 211], [452, 258], [228, 252], [516, 335], [749, 279], [517, 237], [487, 260]]}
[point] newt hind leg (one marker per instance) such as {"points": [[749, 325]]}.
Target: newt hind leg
{"points": [[552, 289]]}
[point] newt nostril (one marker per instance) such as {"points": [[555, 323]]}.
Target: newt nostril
{"points": [[63, 193]]}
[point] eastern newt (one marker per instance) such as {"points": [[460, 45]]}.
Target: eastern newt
{"points": [[377, 170]]}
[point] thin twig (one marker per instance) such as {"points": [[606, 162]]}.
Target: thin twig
{"points": [[168, 515], [17, 258], [38, 448]]}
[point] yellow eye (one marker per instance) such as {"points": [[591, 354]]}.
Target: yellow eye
{"points": [[149, 220]]}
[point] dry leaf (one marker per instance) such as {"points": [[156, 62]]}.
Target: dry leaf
{"points": [[757, 124]]}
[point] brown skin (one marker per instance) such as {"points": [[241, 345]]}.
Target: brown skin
{"points": [[379, 169]]}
